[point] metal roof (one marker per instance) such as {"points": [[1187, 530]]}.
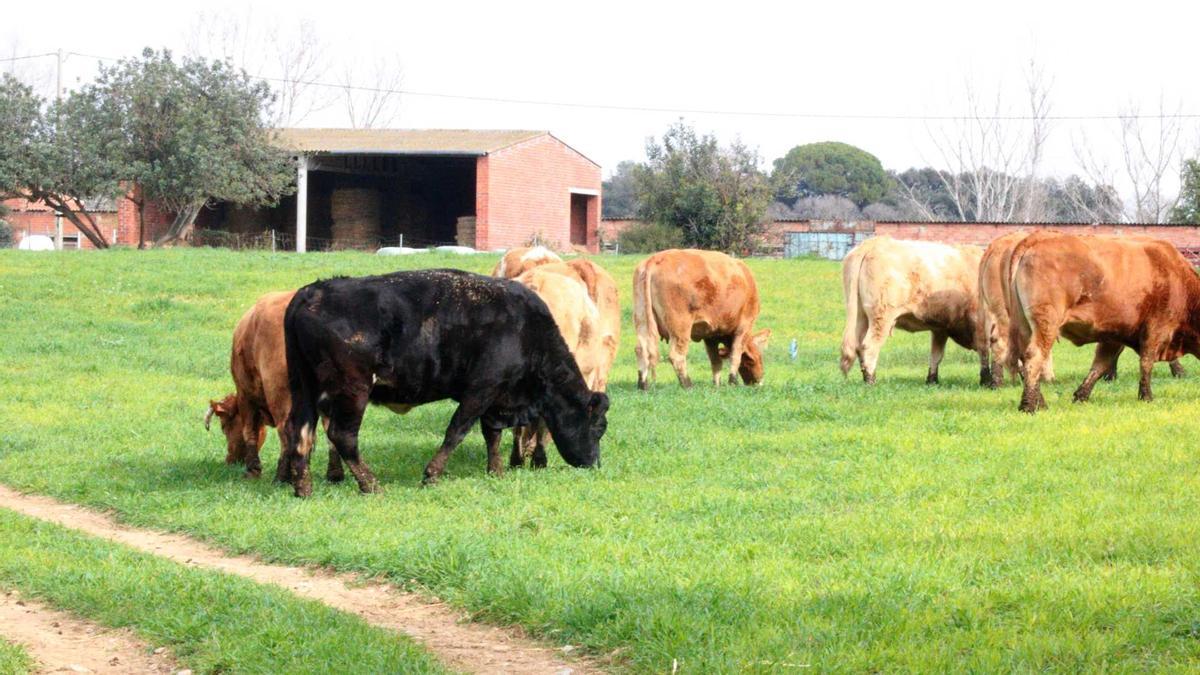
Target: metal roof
{"points": [[401, 141]]}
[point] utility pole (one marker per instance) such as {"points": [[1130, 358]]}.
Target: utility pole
{"points": [[58, 226]]}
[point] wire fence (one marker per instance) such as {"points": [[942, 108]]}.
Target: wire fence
{"points": [[274, 240]]}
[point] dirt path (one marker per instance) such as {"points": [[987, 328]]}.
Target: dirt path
{"points": [[470, 647], [62, 643]]}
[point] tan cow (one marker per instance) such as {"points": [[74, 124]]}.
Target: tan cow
{"points": [[914, 286], [683, 295], [582, 328], [602, 289], [518, 260], [1135, 291], [994, 271], [258, 363]]}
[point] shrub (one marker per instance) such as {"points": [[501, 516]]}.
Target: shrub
{"points": [[649, 238]]}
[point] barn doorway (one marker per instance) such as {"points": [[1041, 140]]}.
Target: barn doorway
{"points": [[579, 219]]}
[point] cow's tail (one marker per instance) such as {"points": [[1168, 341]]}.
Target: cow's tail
{"points": [[855, 319], [300, 426], [645, 325], [985, 325], [1020, 328]]}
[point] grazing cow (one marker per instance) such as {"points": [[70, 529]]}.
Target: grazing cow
{"points": [[914, 286], [994, 272], [1136, 292], [579, 322], [993, 309], [603, 291], [258, 364], [517, 260], [683, 295], [410, 338]]}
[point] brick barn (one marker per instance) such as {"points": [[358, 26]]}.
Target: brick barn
{"points": [[365, 188], [362, 188]]}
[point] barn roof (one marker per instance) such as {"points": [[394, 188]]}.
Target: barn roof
{"points": [[401, 141]]}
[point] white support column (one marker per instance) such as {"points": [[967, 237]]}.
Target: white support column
{"points": [[301, 203]]}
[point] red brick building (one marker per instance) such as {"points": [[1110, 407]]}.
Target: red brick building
{"points": [[365, 188]]}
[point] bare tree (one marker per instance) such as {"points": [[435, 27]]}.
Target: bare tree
{"points": [[292, 59], [38, 73], [1151, 156], [371, 92], [992, 156]]}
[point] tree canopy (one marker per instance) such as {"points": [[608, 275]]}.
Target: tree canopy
{"points": [[830, 168], [716, 195], [1187, 209], [620, 191]]}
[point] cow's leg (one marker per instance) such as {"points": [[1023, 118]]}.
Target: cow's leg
{"points": [[541, 440], [1042, 336], [334, 471], [1103, 362], [713, 347], [881, 324], [253, 425], [737, 346], [491, 438], [1147, 365], [937, 349], [345, 419], [1048, 365], [516, 458], [646, 350], [1110, 375], [1177, 368], [678, 356], [464, 417]]}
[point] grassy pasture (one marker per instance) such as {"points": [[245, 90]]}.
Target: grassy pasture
{"points": [[810, 522], [14, 660]]}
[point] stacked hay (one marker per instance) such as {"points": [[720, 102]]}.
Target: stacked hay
{"points": [[355, 213], [465, 232]]}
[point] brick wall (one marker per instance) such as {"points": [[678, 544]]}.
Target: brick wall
{"points": [[28, 218], [980, 234], [525, 190]]}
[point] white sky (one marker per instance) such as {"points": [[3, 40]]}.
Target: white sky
{"points": [[904, 58]]}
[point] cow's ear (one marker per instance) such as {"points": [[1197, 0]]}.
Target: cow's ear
{"points": [[598, 403], [761, 337]]}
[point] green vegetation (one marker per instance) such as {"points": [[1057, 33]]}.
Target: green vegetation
{"points": [[647, 238], [812, 521], [14, 660], [213, 622], [830, 168]]}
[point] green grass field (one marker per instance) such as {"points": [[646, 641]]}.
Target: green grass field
{"points": [[14, 660], [213, 622], [812, 522]]}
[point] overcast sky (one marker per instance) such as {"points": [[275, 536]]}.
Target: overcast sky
{"points": [[882, 58]]}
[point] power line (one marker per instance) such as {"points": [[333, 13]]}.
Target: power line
{"points": [[27, 56], [694, 111]]}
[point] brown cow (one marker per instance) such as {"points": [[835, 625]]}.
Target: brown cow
{"points": [[994, 272], [518, 260], [258, 364], [914, 286], [582, 328], [681, 295], [1137, 292]]}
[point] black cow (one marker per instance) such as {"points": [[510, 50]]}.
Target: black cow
{"points": [[409, 338]]}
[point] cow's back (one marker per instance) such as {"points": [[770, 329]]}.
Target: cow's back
{"points": [[517, 261], [934, 283], [258, 361], [714, 292]]}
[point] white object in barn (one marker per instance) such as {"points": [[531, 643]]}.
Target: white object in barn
{"points": [[399, 250], [36, 242], [461, 250]]}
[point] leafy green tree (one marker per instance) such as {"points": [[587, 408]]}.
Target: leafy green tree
{"points": [[188, 133], [47, 156], [1187, 209], [830, 168], [6, 232], [620, 192], [717, 196], [649, 238]]}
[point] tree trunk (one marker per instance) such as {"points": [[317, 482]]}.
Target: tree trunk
{"points": [[79, 217], [185, 220]]}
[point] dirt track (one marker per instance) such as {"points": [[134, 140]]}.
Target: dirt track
{"points": [[62, 643], [469, 647]]}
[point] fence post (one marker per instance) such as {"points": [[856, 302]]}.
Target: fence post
{"points": [[401, 240], [272, 241]]}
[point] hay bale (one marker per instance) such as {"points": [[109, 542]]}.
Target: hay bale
{"points": [[465, 231], [355, 213]]}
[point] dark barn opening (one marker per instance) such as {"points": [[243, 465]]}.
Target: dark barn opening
{"points": [[579, 218]]}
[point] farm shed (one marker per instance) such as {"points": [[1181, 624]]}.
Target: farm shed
{"points": [[362, 188]]}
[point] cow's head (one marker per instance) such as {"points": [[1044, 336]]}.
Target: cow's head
{"points": [[577, 428], [226, 411], [751, 367]]}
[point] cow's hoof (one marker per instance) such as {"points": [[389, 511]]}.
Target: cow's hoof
{"points": [[252, 474], [931, 378], [643, 384], [1177, 370], [303, 489], [733, 380], [686, 384], [369, 488], [335, 477]]}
